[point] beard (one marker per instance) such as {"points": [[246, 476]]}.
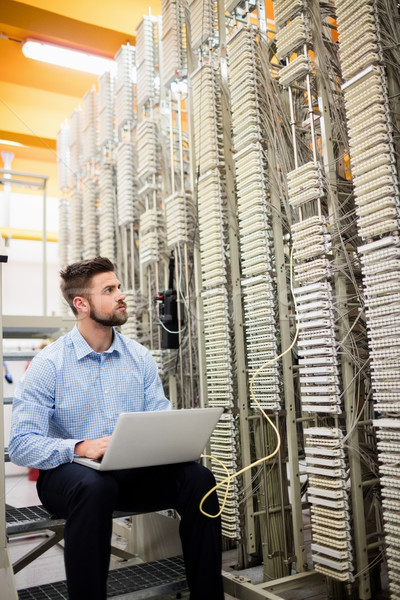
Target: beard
{"points": [[113, 320]]}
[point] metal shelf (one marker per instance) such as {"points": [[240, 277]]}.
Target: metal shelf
{"points": [[29, 519], [19, 355], [35, 327]]}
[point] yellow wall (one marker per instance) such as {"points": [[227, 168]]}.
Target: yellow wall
{"points": [[39, 120], [40, 116]]}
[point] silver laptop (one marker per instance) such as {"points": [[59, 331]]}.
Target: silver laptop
{"points": [[145, 439]]}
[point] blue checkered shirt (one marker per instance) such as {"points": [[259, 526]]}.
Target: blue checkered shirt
{"points": [[71, 393]]}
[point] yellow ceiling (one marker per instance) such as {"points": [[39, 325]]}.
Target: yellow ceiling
{"points": [[36, 98]]}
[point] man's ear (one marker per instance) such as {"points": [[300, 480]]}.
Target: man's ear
{"points": [[81, 304]]}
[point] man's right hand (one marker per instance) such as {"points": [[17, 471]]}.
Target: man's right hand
{"points": [[92, 448]]}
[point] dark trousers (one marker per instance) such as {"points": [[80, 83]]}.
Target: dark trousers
{"points": [[86, 498]]}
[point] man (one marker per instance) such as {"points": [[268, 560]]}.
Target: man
{"points": [[67, 404]]}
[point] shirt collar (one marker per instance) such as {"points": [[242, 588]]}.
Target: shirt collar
{"points": [[82, 348]]}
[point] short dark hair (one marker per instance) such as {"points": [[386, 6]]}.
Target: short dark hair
{"points": [[76, 278]]}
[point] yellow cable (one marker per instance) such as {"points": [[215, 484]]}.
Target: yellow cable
{"points": [[229, 478]]}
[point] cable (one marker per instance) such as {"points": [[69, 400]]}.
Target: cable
{"points": [[228, 479], [169, 331]]}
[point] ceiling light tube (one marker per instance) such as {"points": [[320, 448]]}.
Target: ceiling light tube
{"points": [[66, 57]]}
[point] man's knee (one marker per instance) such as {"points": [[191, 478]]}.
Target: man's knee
{"points": [[97, 489], [199, 478]]}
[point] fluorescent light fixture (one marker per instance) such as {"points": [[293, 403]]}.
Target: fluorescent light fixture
{"points": [[66, 57], [10, 143]]}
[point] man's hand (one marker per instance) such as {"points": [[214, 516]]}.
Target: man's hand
{"points": [[92, 448]]}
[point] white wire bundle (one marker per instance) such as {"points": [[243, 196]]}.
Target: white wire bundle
{"points": [[317, 345], [295, 70], [261, 342], [151, 236], [208, 137], [292, 36], [89, 218], [130, 328], [107, 211], [244, 84], [372, 153], [217, 340], [252, 187], [217, 343], [179, 218], [287, 9], [388, 435], [76, 233], [63, 157], [223, 446], [202, 25], [214, 253], [305, 184], [146, 60], [173, 61], [106, 109], [89, 125], [358, 46], [75, 144], [63, 231], [373, 165], [126, 183], [311, 241], [328, 496], [124, 86], [317, 349], [211, 214], [147, 148], [381, 265]]}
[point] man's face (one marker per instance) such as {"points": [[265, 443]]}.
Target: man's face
{"points": [[106, 301]]}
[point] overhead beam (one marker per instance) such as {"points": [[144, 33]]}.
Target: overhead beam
{"points": [[18, 19], [31, 141]]}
